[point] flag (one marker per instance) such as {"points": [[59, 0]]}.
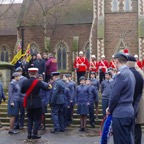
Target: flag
{"points": [[27, 53], [18, 55]]}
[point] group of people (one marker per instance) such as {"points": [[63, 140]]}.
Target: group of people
{"points": [[45, 64], [120, 83]]}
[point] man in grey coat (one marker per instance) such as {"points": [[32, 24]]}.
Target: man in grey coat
{"points": [[121, 102]]}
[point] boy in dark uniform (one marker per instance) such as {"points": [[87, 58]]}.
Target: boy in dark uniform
{"points": [[93, 98], [32, 102], [57, 103]]}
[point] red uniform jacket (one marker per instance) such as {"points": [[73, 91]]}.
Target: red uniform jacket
{"points": [[93, 66], [81, 64], [103, 65], [139, 64], [112, 65]]}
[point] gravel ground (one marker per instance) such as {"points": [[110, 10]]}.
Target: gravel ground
{"points": [[71, 136]]}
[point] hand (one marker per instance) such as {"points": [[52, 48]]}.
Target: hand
{"points": [[88, 104], [68, 107], [43, 73], [50, 86], [12, 104], [107, 111], [71, 101]]}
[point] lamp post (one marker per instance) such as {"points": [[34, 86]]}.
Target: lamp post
{"points": [[22, 36]]}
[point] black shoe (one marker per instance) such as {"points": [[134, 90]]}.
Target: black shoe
{"points": [[29, 136], [16, 127], [13, 132], [81, 129], [62, 130], [54, 131], [93, 125], [35, 137]]}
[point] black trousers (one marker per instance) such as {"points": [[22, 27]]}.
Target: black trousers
{"points": [[101, 76], [138, 133], [47, 78], [123, 130], [79, 74], [34, 120]]}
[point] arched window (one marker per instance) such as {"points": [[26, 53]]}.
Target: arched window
{"points": [[34, 49], [115, 6], [61, 56], [87, 51], [4, 56], [127, 5]]}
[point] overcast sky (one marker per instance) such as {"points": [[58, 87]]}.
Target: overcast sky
{"points": [[9, 1]]}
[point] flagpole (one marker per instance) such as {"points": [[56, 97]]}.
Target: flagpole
{"points": [[22, 43]]}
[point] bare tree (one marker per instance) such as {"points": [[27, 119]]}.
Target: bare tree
{"points": [[46, 14], [5, 9]]}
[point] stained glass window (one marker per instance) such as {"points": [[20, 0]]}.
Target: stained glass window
{"points": [[127, 5], [115, 6], [34, 49], [4, 56], [61, 56]]}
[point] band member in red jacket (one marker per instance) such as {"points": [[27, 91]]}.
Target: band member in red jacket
{"points": [[112, 65], [81, 65], [93, 64], [103, 65], [138, 61]]}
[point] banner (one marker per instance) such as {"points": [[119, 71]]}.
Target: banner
{"points": [[18, 56], [27, 53]]}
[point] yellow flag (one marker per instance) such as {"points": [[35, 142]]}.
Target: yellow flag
{"points": [[17, 57], [27, 53]]}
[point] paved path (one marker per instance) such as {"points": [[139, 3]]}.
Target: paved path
{"points": [[71, 136]]}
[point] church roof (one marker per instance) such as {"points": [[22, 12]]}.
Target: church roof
{"points": [[71, 12], [8, 19]]}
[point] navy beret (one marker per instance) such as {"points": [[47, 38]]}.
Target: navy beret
{"points": [[93, 73], [81, 78], [40, 75], [18, 69], [110, 68], [55, 73], [16, 74], [131, 58], [120, 55]]}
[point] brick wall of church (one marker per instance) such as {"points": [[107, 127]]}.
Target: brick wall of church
{"points": [[63, 33], [117, 23]]}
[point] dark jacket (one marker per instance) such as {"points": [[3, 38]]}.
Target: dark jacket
{"points": [[82, 94], [138, 89], [58, 93], [40, 64], [34, 100], [106, 88], [121, 99], [93, 94], [44, 95]]}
